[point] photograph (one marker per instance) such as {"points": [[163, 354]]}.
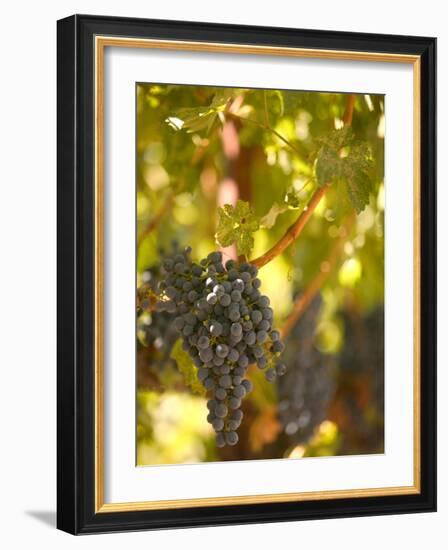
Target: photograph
{"points": [[259, 273]]}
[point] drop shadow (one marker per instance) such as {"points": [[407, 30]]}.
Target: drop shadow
{"points": [[47, 517]]}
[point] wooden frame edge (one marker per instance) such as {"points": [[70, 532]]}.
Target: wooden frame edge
{"points": [[110, 41]]}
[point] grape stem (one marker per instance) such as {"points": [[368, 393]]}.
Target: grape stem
{"points": [[267, 127], [293, 232], [303, 300]]}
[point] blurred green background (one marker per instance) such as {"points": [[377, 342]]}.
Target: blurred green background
{"points": [[199, 148]]}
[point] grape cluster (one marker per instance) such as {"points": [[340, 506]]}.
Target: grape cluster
{"points": [[226, 325], [309, 385], [361, 372], [155, 329]]}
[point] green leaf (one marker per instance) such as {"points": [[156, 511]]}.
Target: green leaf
{"points": [[337, 139], [194, 119], [341, 159], [356, 171], [187, 368], [236, 225], [328, 165]]}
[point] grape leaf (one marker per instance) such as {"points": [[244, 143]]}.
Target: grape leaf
{"points": [[187, 368], [356, 171], [352, 168], [327, 165], [337, 138], [236, 225], [194, 119]]}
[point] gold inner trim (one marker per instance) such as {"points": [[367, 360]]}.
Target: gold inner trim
{"points": [[104, 41]]}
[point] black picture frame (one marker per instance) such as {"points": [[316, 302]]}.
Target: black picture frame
{"points": [[76, 273]]}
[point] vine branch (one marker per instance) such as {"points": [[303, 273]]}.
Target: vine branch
{"points": [[293, 232], [154, 222], [303, 300], [348, 113]]}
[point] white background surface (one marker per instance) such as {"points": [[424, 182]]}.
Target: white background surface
{"points": [[123, 481], [27, 275]]}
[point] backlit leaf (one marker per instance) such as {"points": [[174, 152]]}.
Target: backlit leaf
{"points": [[236, 225], [187, 368]]}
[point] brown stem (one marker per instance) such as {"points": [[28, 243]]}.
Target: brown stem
{"points": [[266, 114], [348, 114], [293, 231], [303, 300], [154, 222]]}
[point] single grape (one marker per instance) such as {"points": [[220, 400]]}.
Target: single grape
{"points": [[179, 323], [190, 318], [270, 375], [218, 424], [225, 381], [280, 369], [206, 354], [231, 438], [239, 391], [233, 355], [222, 350], [235, 295], [234, 403], [221, 410], [220, 394], [212, 298], [218, 290], [233, 425], [278, 346], [264, 325], [202, 374], [267, 313], [256, 316], [203, 342], [209, 383], [211, 404], [250, 338], [225, 300], [238, 284], [215, 328], [187, 286]]}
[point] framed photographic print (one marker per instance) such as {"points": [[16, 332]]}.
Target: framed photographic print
{"points": [[246, 274]]}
